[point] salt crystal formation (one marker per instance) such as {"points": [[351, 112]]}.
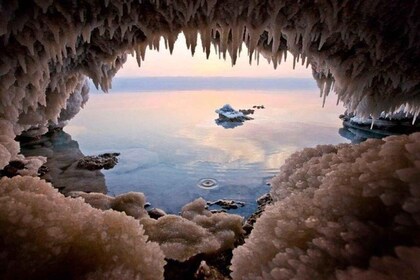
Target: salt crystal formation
{"points": [[332, 216], [44, 235], [345, 212], [195, 231], [131, 203], [366, 51]]}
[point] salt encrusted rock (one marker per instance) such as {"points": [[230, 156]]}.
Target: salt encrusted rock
{"points": [[106, 161], [131, 203], [45, 235], [262, 202], [156, 213], [264, 199], [62, 155], [96, 200], [47, 49], [337, 211], [227, 113], [196, 231], [180, 239], [227, 203], [226, 227]]}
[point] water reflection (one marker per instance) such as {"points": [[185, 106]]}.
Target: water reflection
{"points": [[169, 141], [227, 124], [357, 136], [63, 154]]}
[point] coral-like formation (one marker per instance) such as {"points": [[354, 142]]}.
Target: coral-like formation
{"points": [[338, 211], [131, 203], [44, 235], [196, 231], [366, 52]]}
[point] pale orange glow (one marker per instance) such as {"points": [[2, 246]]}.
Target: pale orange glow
{"points": [[284, 114], [181, 63]]}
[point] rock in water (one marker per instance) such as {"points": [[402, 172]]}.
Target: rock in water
{"points": [[227, 113], [230, 118], [106, 161]]}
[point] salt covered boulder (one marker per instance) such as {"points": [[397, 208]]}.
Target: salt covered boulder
{"points": [[230, 118], [131, 203], [227, 113], [345, 211], [196, 231], [180, 239], [44, 235]]}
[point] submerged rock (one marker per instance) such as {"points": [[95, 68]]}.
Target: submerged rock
{"points": [[106, 161], [227, 204]]}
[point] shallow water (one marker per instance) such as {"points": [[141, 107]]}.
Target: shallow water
{"points": [[169, 141]]}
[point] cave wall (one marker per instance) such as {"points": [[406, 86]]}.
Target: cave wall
{"points": [[366, 52]]}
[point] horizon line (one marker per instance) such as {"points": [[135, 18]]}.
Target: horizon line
{"points": [[186, 83]]}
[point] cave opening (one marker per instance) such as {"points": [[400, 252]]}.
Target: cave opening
{"points": [[337, 211], [172, 146]]}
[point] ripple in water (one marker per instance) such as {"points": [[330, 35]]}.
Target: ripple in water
{"points": [[208, 183]]}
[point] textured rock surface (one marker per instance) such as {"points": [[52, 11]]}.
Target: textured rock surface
{"points": [[44, 235], [345, 211], [196, 231], [63, 154], [365, 51]]}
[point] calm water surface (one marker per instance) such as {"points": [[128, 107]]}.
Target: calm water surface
{"points": [[169, 141]]}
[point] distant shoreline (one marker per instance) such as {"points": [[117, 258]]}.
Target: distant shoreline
{"points": [[144, 84]]}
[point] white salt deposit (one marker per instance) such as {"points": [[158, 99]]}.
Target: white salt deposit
{"points": [[346, 212], [45, 235], [340, 212], [196, 231]]}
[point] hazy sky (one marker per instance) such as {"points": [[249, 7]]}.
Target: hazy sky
{"points": [[181, 63]]}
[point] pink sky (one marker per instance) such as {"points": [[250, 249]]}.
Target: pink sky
{"points": [[181, 63]]}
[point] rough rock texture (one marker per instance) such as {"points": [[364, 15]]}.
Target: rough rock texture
{"points": [[343, 212], [131, 203], [196, 231], [63, 154], [44, 235], [106, 161], [366, 51]]}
